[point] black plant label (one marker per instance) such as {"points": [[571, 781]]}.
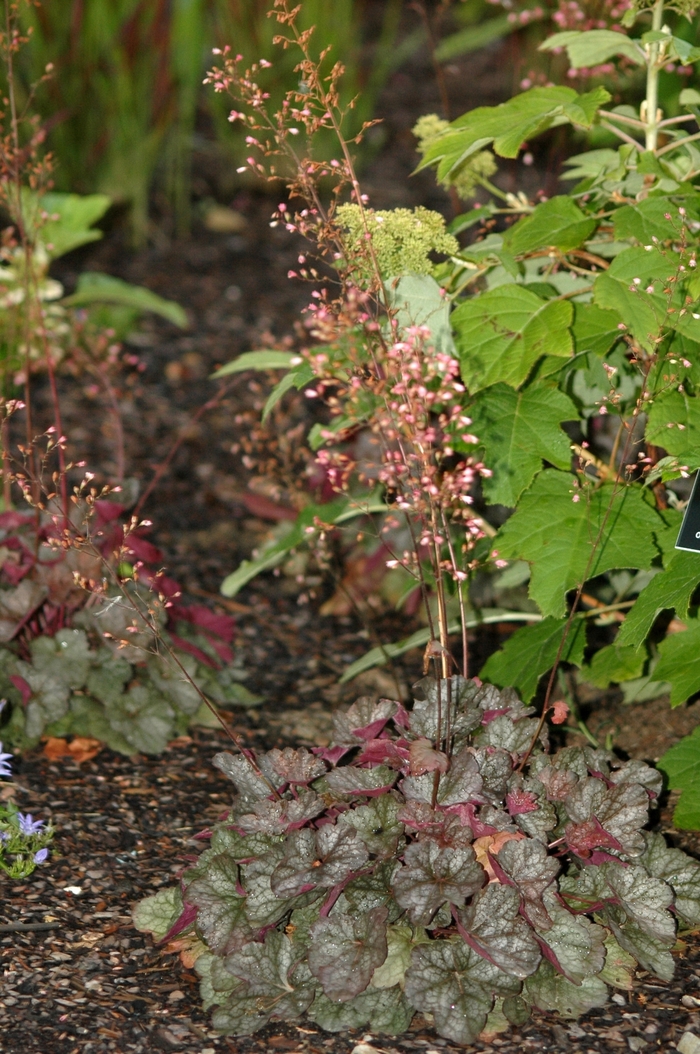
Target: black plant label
{"points": [[689, 536]]}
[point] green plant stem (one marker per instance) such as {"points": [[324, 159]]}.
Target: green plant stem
{"points": [[633, 122], [650, 113], [619, 133], [676, 143]]}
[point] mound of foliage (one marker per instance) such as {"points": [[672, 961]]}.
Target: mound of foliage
{"points": [[75, 662], [438, 860]]}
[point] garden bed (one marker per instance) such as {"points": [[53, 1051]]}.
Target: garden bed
{"points": [[78, 978]]}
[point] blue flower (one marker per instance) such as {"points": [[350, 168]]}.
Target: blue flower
{"points": [[40, 856], [5, 769], [27, 825]]}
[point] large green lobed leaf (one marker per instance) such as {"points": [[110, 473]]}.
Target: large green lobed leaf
{"points": [[517, 431], [501, 334], [569, 535]]}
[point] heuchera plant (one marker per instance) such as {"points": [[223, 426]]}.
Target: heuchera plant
{"points": [[438, 860], [129, 664]]}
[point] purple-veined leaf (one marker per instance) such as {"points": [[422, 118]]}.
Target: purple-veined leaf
{"points": [[345, 951], [460, 784], [377, 825], [432, 876], [242, 773], [621, 812], [319, 860], [450, 980], [276, 817], [551, 991], [679, 870], [383, 1010], [435, 700], [218, 896], [295, 766], [262, 907], [527, 866], [576, 944], [372, 889], [513, 736], [493, 927], [634, 905], [558, 783], [495, 766], [365, 719], [636, 771], [274, 985], [349, 780]]}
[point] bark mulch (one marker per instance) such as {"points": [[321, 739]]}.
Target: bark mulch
{"points": [[76, 977]]}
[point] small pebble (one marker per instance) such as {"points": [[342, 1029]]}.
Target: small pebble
{"points": [[690, 1001], [176, 996], [619, 999], [636, 1043], [688, 1044]]}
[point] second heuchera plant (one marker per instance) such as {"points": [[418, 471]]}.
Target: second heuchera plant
{"points": [[441, 859], [378, 877]]}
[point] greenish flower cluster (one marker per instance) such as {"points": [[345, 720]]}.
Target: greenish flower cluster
{"points": [[683, 7], [472, 173], [402, 240]]}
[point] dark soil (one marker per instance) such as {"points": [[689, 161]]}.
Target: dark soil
{"points": [[78, 979]]}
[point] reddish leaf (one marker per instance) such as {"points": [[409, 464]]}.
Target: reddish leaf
{"points": [[400, 718], [22, 687], [581, 838], [490, 715], [222, 650], [424, 758], [142, 549], [332, 754], [9, 521], [259, 505], [192, 649], [467, 815], [520, 801], [161, 584], [222, 626], [189, 914], [14, 573], [107, 511], [383, 752]]}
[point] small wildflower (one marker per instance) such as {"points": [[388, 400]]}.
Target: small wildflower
{"points": [[40, 856], [27, 825]]}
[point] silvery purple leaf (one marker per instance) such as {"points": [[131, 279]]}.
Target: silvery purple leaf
{"points": [[345, 951]]}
